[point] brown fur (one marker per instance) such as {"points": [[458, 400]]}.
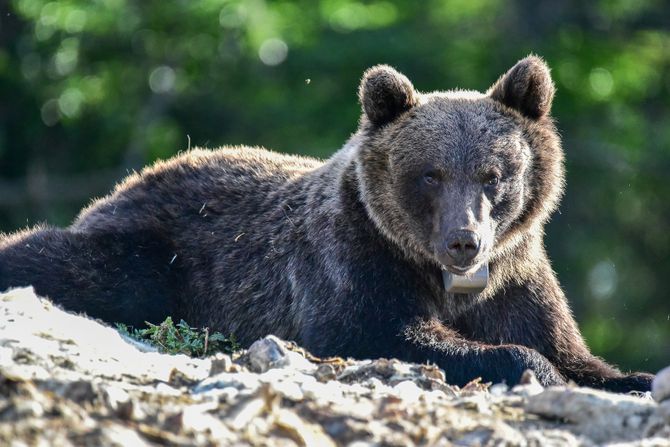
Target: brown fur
{"points": [[345, 256]]}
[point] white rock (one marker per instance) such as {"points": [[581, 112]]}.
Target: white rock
{"points": [[267, 353], [6, 355], [270, 352], [499, 389], [528, 385], [244, 412], [408, 391], [597, 414], [117, 435], [164, 388], [118, 400], [220, 363], [289, 390], [229, 394], [660, 387], [375, 384], [241, 381], [306, 433], [196, 418], [478, 402], [530, 389], [29, 408], [323, 392], [552, 438], [433, 396]]}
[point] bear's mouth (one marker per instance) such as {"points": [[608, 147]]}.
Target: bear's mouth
{"points": [[470, 268]]}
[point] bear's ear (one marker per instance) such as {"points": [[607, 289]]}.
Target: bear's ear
{"points": [[385, 93], [526, 87]]}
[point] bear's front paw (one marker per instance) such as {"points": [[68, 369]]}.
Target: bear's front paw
{"points": [[632, 382], [519, 359]]}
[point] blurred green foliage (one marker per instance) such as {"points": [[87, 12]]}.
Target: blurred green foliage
{"points": [[93, 88]]}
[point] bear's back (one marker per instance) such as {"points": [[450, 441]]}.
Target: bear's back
{"points": [[196, 185]]}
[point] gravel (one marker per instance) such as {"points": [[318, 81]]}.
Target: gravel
{"points": [[69, 380]]}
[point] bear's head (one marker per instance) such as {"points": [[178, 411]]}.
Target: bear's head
{"points": [[458, 178]]}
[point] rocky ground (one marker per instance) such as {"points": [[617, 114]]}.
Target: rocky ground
{"points": [[68, 380]]}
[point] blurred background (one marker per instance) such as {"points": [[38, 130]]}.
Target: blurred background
{"points": [[92, 89]]}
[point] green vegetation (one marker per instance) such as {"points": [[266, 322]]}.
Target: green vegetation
{"points": [[93, 88], [181, 338]]}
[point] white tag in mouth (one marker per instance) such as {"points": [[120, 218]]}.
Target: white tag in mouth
{"points": [[471, 283]]}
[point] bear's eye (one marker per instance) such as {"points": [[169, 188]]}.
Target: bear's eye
{"points": [[431, 178], [492, 180]]}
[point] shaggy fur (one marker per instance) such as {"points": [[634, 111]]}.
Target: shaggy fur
{"points": [[345, 256]]}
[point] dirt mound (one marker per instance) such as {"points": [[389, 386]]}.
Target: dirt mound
{"points": [[69, 380]]}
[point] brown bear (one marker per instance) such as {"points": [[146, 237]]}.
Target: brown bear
{"points": [[421, 239]]}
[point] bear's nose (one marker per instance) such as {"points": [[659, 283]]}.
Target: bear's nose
{"points": [[462, 246]]}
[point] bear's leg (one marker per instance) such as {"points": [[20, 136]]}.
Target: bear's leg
{"points": [[464, 360], [574, 360], [589, 370], [536, 315], [127, 277]]}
